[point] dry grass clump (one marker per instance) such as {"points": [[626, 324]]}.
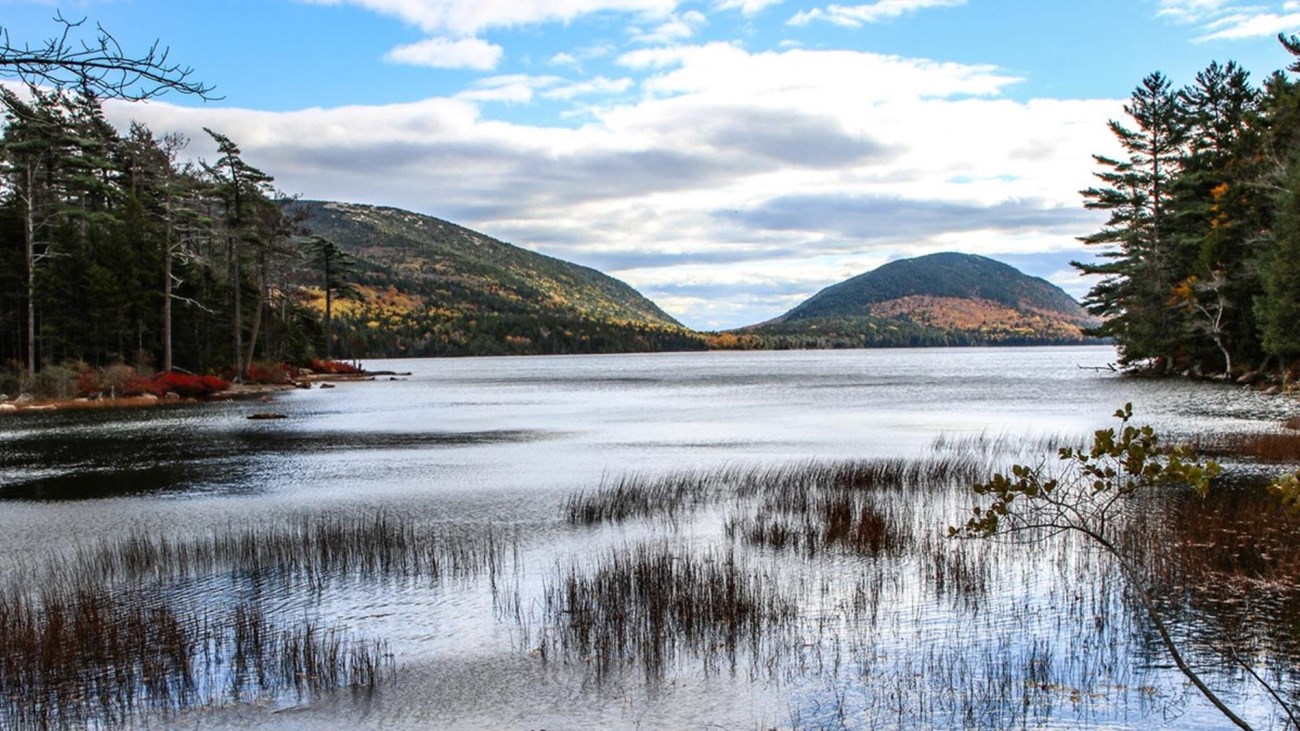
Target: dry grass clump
{"points": [[648, 604], [1280, 447]]}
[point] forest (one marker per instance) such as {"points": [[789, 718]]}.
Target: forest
{"points": [[115, 251], [1199, 261]]}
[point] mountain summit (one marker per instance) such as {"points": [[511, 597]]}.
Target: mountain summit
{"points": [[939, 299]]}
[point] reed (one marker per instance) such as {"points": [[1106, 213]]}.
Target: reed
{"points": [[648, 604], [636, 496]]}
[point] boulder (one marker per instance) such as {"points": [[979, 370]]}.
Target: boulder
{"points": [[149, 398], [24, 398], [327, 385], [302, 384], [172, 396], [6, 408], [267, 415]]}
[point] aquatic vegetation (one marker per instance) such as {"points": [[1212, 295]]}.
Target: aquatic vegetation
{"points": [[650, 603], [101, 635]]}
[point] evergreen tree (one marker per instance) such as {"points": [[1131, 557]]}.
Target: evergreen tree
{"points": [[1140, 264]]}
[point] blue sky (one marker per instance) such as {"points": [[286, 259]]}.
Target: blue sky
{"points": [[726, 157]]}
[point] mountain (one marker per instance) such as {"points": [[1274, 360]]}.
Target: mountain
{"points": [[426, 287], [940, 299]]}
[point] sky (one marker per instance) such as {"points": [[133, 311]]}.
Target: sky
{"points": [[728, 158]]}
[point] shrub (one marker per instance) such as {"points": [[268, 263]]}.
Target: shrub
{"points": [[188, 386], [336, 367], [275, 374]]}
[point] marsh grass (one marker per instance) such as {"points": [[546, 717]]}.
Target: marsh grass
{"points": [[649, 604], [637, 496], [1274, 447], [100, 636]]}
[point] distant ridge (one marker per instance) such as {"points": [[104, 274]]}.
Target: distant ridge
{"points": [[428, 287], [938, 299]]}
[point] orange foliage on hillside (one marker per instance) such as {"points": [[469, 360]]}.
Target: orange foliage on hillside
{"points": [[973, 315]]}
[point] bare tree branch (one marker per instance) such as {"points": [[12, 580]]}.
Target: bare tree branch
{"points": [[97, 64]]}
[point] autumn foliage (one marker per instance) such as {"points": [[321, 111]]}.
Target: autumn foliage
{"points": [[121, 380], [335, 367]]}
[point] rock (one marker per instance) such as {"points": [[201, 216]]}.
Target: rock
{"points": [[306, 372], [1272, 391], [172, 396], [266, 415], [24, 398], [6, 408], [150, 398], [327, 385], [191, 400], [4, 397], [302, 384], [1249, 377], [266, 399]]}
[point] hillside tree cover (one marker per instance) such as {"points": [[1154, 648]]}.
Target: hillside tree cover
{"points": [[1200, 257]]}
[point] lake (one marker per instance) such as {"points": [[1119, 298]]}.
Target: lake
{"points": [[497, 446]]}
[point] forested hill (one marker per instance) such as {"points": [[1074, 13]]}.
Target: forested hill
{"points": [[424, 287], [940, 299]]}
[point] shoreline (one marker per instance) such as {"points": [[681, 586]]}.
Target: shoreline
{"points": [[236, 392]]}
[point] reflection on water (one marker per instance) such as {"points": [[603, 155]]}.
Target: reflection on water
{"points": [[506, 442]]}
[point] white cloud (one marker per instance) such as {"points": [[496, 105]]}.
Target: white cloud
{"points": [[1228, 20], [1243, 26], [518, 88], [597, 86], [747, 7], [470, 17], [675, 28], [739, 184], [447, 53], [855, 16]]}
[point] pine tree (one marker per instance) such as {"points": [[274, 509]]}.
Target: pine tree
{"points": [[1140, 267]]}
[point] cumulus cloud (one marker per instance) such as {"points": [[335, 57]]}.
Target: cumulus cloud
{"points": [[855, 16], [448, 53], [759, 177]]}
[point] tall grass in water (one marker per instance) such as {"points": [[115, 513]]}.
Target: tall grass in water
{"points": [[93, 656], [645, 605], [636, 496], [99, 636], [311, 548]]}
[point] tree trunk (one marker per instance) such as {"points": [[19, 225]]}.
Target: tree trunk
{"points": [[29, 236]]}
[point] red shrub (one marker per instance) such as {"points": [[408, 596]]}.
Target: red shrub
{"points": [[270, 373], [336, 367], [187, 386], [138, 385]]}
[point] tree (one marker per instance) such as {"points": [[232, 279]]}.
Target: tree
{"points": [[1278, 305], [1091, 496], [240, 187], [34, 146], [97, 64], [1140, 268], [336, 268]]}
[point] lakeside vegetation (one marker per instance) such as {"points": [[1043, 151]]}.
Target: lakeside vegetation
{"points": [[1200, 259]]}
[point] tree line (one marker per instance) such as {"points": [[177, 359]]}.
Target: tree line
{"points": [[1200, 258], [113, 249]]}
